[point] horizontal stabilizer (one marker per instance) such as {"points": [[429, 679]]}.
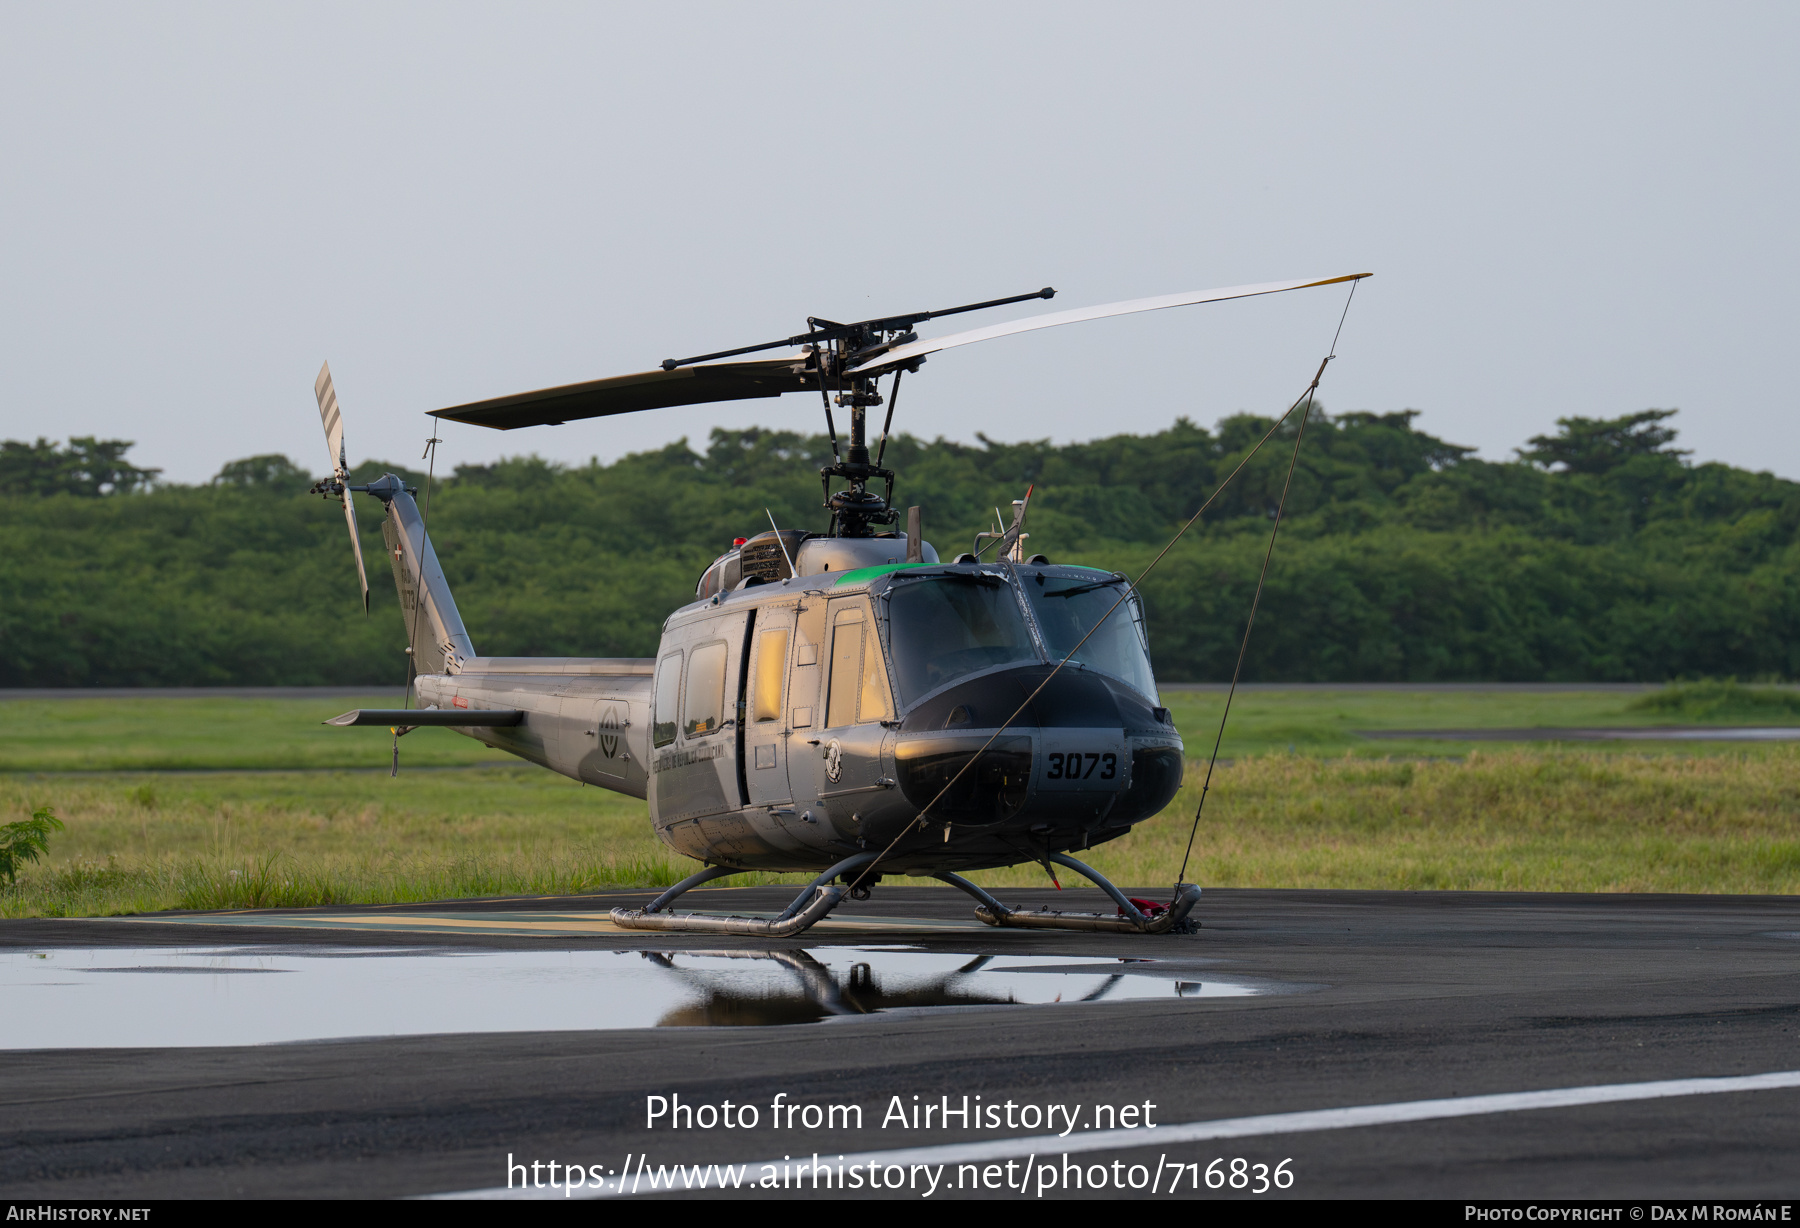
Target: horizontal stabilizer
{"points": [[390, 717]]}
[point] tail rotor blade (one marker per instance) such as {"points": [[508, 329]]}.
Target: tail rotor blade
{"points": [[356, 545], [332, 420]]}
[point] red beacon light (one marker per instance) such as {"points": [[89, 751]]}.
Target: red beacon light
{"points": [[738, 541]]}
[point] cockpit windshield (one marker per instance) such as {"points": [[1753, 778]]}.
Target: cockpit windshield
{"points": [[1068, 609], [945, 626]]}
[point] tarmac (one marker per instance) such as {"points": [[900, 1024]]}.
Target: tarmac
{"points": [[1486, 1045]]}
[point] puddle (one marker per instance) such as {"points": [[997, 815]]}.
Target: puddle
{"points": [[187, 996]]}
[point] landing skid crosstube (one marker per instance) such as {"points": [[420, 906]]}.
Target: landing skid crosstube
{"points": [[816, 901]]}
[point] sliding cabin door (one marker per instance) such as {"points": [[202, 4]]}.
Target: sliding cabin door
{"points": [[694, 742], [766, 730]]}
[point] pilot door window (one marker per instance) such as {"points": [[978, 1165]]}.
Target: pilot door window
{"points": [[704, 709], [668, 691], [858, 687], [771, 669]]}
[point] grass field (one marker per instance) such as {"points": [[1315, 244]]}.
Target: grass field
{"points": [[209, 803], [41, 735], [1327, 722]]}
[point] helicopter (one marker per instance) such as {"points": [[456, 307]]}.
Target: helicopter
{"points": [[843, 703]]}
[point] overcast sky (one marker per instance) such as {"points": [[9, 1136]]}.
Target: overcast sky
{"points": [[1569, 209]]}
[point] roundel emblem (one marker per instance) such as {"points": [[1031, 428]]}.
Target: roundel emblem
{"points": [[609, 733], [834, 760]]}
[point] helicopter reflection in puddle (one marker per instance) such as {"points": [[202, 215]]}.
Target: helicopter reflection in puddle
{"points": [[768, 988]]}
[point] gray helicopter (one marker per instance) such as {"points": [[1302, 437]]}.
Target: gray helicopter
{"points": [[842, 703]]}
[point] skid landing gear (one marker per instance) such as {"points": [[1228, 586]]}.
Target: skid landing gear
{"points": [[811, 906], [1129, 920], [819, 897]]}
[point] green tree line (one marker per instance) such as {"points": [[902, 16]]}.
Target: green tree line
{"points": [[1601, 553]]}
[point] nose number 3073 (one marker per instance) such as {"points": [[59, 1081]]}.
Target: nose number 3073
{"points": [[1071, 766]]}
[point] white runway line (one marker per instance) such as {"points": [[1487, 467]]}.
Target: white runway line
{"points": [[1230, 1127]]}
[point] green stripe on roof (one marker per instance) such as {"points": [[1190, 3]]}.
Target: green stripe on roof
{"points": [[862, 575]]}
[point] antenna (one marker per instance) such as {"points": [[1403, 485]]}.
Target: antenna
{"points": [[792, 570], [1011, 537]]}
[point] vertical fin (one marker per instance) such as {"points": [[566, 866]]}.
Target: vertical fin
{"points": [[442, 643]]}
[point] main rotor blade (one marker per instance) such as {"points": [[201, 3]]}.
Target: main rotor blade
{"points": [[333, 421], [626, 394], [901, 355], [745, 379]]}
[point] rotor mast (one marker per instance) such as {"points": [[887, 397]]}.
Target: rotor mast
{"points": [[855, 510], [833, 351]]}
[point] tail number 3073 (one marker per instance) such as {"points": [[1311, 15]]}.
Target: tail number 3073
{"points": [[1079, 766]]}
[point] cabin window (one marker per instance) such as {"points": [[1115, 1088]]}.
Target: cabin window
{"points": [[942, 627], [872, 703], [858, 688], [1097, 620], [668, 690], [771, 666], [846, 667], [705, 706]]}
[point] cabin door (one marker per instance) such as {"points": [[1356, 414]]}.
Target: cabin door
{"points": [[853, 700], [765, 718], [694, 729]]}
